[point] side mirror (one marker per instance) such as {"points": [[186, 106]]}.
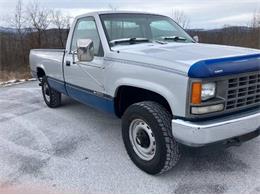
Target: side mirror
{"points": [[196, 38], [85, 50]]}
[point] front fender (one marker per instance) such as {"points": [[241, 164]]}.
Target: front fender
{"points": [[151, 86]]}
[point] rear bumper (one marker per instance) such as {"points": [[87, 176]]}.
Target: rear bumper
{"points": [[202, 133]]}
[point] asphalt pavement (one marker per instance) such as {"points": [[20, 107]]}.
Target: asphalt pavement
{"points": [[76, 149]]}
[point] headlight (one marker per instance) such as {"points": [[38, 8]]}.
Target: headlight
{"points": [[202, 92], [208, 91]]}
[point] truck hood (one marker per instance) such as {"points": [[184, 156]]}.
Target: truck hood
{"points": [[193, 59]]}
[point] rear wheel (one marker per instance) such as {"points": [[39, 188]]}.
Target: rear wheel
{"points": [[51, 97], [146, 130]]}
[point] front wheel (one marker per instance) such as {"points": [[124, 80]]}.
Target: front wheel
{"points": [[146, 130], [51, 97]]}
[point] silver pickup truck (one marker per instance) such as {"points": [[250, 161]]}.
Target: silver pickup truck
{"points": [[168, 89]]}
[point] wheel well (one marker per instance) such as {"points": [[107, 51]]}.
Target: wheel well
{"points": [[127, 95], [40, 73]]}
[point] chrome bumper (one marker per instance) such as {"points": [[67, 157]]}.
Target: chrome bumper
{"points": [[206, 132]]}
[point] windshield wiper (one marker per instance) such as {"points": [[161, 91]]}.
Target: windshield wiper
{"points": [[174, 38], [129, 40]]}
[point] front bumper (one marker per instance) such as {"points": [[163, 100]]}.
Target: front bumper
{"points": [[202, 133]]}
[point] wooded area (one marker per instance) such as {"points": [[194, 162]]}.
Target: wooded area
{"points": [[31, 27], [35, 27]]}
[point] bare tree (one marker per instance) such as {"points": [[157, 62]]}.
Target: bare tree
{"points": [[180, 17], [62, 23], [112, 7], [17, 21], [39, 19], [256, 28], [256, 20]]}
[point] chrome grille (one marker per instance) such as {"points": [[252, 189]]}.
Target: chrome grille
{"points": [[243, 91]]}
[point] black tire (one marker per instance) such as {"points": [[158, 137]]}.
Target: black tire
{"points": [[167, 152], [52, 97]]}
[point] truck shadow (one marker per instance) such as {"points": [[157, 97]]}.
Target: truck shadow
{"points": [[212, 159], [199, 167]]}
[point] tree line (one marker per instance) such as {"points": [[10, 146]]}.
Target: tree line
{"points": [[35, 27], [31, 27]]}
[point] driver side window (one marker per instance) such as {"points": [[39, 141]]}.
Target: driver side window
{"points": [[86, 29]]}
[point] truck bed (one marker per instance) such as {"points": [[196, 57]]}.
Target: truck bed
{"points": [[50, 60]]}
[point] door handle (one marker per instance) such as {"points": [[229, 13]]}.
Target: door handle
{"points": [[67, 63]]}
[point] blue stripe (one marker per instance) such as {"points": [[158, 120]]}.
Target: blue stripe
{"points": [[225, 66], [85, 96], [88, 98], [57, 85]]}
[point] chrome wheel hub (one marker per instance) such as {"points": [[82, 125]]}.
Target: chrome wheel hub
{"points": [[142, 139], [46, 92]]}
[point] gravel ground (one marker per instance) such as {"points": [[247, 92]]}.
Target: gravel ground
{"points": [[76, 149]]}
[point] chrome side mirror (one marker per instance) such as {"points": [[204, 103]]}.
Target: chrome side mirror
{"points": [[85, 50], [196, 38]]}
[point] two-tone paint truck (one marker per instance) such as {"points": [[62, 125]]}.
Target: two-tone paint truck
{"points": [[168, 89]]}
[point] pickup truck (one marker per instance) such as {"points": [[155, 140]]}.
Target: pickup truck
{"points": [[168, 89]]}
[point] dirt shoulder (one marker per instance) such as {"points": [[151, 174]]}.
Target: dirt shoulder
{"points": [[8, 76]]}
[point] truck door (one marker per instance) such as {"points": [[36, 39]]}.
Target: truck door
{"points": [[84, 76]]}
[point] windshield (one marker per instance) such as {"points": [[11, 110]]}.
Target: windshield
{"points": [[121, 27]]}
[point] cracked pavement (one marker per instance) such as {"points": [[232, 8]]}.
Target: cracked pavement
{"points": [[76, 149]]}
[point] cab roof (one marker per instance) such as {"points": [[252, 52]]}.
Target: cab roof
{"points": [[97, 13]]}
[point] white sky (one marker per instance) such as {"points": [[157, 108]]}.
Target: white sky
{"points": [[202, 13]]}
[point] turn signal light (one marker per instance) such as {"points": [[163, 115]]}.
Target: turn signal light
{"points": [[196, 93], [207, 109]]}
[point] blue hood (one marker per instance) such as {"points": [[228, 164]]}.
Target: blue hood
{"points": [[225, 66]]}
